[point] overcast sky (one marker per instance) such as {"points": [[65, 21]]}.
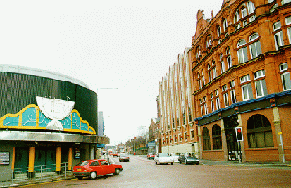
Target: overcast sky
{"points": [[127, 45]]}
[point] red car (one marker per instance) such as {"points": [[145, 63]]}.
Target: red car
{"points": [[94, 168], [150, 156]]}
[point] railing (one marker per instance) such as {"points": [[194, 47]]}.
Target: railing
{"points": [[41, 173]]}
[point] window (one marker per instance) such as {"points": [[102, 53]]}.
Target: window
{"points": [[232, 92], [228, 59], [236, 16], [251, 10], [285, 76], [244, 12], [225, 25], [285, 1], [199, 81], [208, 41], [218, 31], [255, 46], [209, 73], [206, 139], [222, 63], [217, 102], [242, 51], [216, 137], [198, 52], [185, 136], [225, 95], [203, 106], [247, 92], [261, 88], [192, 134], [259, 132], [212, 102], [278, 35], [288, 22]]}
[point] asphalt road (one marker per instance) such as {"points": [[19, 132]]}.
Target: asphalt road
{"points": [[141, 172]]}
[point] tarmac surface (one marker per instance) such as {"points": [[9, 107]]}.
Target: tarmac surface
{"points": [[22, 183]]}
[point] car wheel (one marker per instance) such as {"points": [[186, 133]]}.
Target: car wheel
{"points": [[93, 175], [172, 163], [79, 177], [117, 170], [156, 163]]}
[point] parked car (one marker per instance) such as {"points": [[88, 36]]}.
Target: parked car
{"points": [[123, 157], [115, 154], [175, 157], [188, 159], [94, 168], [163, 158], [150, 156]]}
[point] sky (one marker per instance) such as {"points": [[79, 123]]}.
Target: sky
{"points": [[120, 49]]}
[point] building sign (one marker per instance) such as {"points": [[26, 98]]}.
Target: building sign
{"points": [[77, 153], [4, 158]]}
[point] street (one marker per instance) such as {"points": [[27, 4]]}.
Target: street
{"points": [[141, 172]]}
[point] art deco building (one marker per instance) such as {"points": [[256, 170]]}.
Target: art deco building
{"points": [[176, 109], [241, 62], [46, 119]]}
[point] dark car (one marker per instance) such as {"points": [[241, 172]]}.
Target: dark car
{"points": [[94, 168], [188, 159]]}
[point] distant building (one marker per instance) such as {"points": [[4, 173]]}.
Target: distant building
{"points": [[100, 124]]}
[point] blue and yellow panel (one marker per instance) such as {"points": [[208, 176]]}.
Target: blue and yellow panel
{"points": [[31, 117]]}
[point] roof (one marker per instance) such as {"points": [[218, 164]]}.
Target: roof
{"points": [[41, 73]]}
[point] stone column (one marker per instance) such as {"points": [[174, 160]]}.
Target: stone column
{"points": [[223, 140], [244, 131], [278, 133], [200, 142]]}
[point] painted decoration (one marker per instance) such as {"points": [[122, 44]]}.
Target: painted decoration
{"points": [[55, 109], [31, 117]]}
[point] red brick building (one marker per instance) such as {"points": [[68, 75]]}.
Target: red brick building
{"points": [[241, 63]]}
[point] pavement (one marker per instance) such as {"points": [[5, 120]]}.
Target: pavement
{"points": [[22, 183]]}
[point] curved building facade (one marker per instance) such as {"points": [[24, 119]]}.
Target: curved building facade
{"points": [[45, 119]]}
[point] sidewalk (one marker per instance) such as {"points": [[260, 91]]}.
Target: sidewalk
{"points": [[26, 181], [251, 164]]}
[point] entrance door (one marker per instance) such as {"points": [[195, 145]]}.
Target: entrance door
{"points": [[21, 159], [233, 151]]}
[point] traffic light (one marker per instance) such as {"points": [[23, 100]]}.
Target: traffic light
{"points": [[238, 132]]}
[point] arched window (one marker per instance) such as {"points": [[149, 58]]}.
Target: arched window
{"points": [[199, 81], [218, 31], [278, 35], [206, 139], [255, 46], [208, 41], [216, 137], [198, 52], [228, 58], [225, 25], [242, 51], [259, 132]]}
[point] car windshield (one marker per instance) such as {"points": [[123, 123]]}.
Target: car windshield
{"points": [[191, 157], [83, 163], [163, 155], [123, 155]]}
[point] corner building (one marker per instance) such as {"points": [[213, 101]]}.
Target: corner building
{"points": [[241, 63], [46, 119]]}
